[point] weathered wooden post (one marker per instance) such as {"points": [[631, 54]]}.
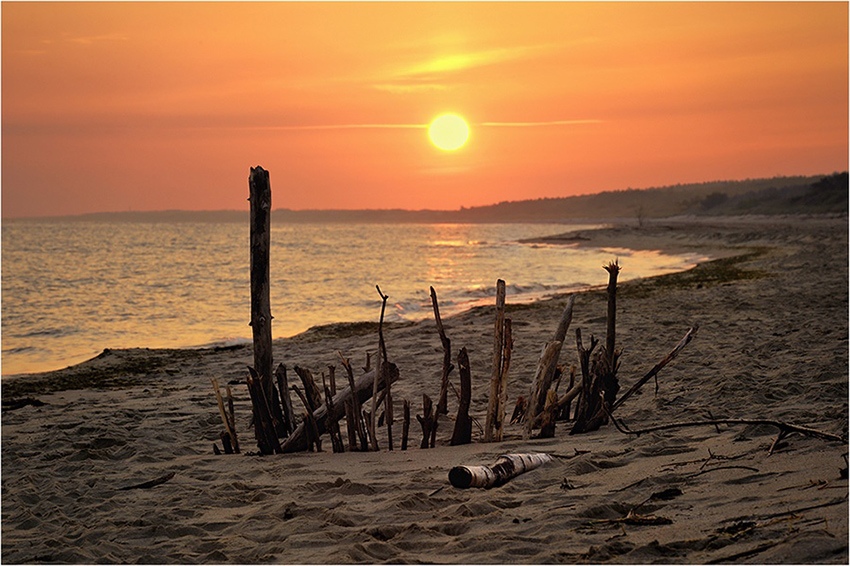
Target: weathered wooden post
{"points": [[495, 409], [261, 316], [260, 196]]}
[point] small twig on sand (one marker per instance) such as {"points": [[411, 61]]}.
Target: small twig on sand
{"points": [[149, 484], [783, 427]]}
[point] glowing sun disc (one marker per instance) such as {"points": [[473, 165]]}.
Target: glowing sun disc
{"points": [[448, 132]]}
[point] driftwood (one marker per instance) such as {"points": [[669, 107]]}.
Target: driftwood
{"points": [[332, 425], [356, 418], [227, 418], [547, 417], [428, 421], [265, 424], [599, 373], [442, 402], [507, 351], [689, 335], [506, 467], [297, 441], [382, 346], [546, 366], [495, 410], [784, 428], [463, 424], [405, 429], [520, 409], [261, 317], [310, 423], [149, 484], [285, 399], [312, 395]]}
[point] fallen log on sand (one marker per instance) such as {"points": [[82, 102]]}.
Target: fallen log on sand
{"points": [[298, 440], [506, 467]]}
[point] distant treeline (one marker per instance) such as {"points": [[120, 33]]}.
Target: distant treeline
{"points": [[778, 195]]}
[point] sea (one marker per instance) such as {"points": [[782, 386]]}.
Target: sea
{"points": [[72, 288]]}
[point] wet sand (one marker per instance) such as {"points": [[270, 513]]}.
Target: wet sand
{"points": [[772, 344]]}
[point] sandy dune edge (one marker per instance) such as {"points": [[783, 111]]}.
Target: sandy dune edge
{"points": [[772, 343]]}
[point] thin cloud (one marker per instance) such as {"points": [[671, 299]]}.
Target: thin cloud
{"points": [[342, 127], [430, 74], [538, 124], [376, 126]]}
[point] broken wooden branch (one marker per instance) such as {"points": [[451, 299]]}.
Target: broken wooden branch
{"points": [[356, 407], [265, 424], [442, 402], [506, 467], [405, 429], [613, 270], [313, 437], [297, 441], [149, 484], [285, 399], [463, 424], [428, 421], [331, 424], [229, 427], [689, 335], [782, 426], [493, 418], [546, 368], [599, 373], [507, 351]]}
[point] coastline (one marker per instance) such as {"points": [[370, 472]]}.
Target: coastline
{"points": [[772, 310]]}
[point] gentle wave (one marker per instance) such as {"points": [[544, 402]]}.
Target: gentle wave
{"points": [[72, 289]]}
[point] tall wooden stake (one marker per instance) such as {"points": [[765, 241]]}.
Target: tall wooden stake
{"points": [[260, 195], [442, 403], [494, 418], [261, 316], [463, 424]]}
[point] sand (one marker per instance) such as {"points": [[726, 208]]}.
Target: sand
{"points": [[772, 343]]}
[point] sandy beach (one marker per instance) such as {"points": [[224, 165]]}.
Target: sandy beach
{"points": [[772, 311]]}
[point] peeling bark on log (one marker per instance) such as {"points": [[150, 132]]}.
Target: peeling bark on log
{"points": [[297, 441], [506, 467], [463, 424]]}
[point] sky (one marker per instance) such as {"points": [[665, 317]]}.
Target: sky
{"points": [[162, 106]]}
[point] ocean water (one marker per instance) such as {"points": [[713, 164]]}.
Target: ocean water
{"points": [[71, 289]]}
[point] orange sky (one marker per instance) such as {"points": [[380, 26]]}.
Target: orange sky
{"points": [[119, 106]]}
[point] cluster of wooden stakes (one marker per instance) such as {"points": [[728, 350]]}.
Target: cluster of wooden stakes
{"points": [[593, 386]]}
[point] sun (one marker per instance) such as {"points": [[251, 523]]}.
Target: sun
{"points": [[448, 132]]}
